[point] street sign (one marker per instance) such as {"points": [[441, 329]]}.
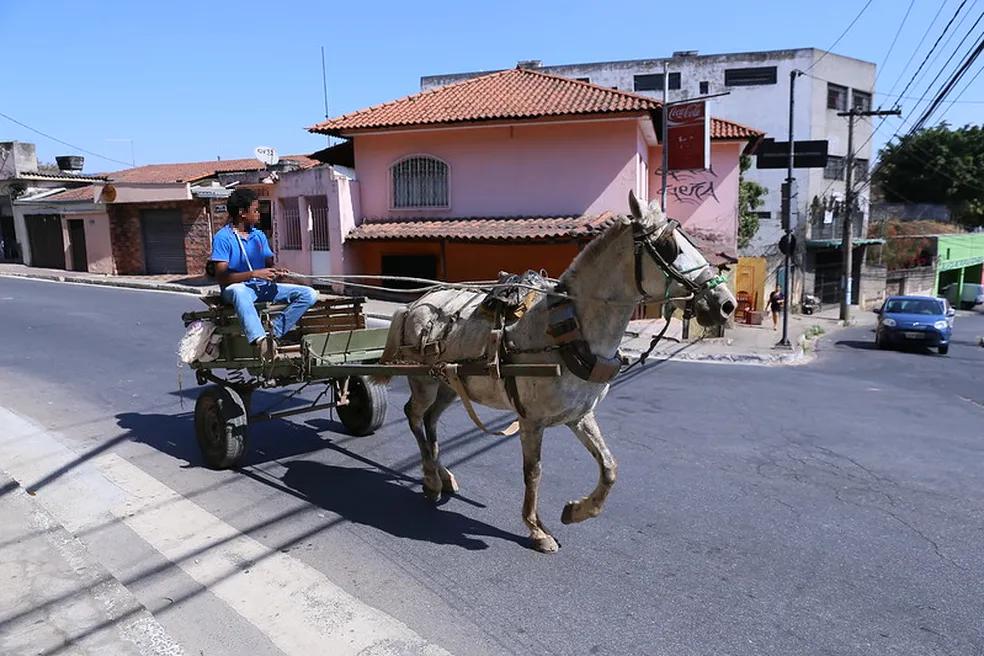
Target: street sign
{"points": [[688, 136], [788, 206], [772, 154], [267, 155]]}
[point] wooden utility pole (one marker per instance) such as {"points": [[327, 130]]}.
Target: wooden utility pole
{"points": [[847, 241]]}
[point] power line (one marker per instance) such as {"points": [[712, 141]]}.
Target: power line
{"points": [[964, 90], [916, 49], [946, 64], [936, 43], [846, 30], [946, 43], [896, 38], [64, 143], [951, 83]]}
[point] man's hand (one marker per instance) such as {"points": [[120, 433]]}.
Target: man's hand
{"points": [[269, 273]]}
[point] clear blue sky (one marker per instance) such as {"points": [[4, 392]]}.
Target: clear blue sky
{"points": [[192, 81]]}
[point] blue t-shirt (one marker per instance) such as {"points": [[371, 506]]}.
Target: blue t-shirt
{"points": [[225, 249]]}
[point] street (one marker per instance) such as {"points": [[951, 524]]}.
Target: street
{"points": [[827, 508]]}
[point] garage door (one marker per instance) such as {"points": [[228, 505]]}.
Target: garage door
{"points": [[163, 239], [44, 234]]}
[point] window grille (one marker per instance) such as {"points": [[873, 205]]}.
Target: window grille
{"points": [[860, 170], [861, 100], [835, 168], [836, 97], [746, 77], [290, 219], [654, 82], [420, 182], [320, 235]]}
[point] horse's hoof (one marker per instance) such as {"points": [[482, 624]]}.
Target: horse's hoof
{"points": [[567, 517], [546, 544], [432, 495], [449, 483]]}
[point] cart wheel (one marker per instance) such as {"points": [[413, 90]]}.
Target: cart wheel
{"points": [[366, 410], [220, 426]]}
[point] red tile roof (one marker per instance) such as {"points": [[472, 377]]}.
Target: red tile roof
{"points": [[191, 171], [73, 195], [516, 229], [516, 93], [483, 229]]}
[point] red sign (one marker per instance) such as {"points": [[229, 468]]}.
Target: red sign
{"points": [[688, 133]]}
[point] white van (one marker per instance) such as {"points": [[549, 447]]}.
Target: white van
{"points": [[972, 294]]}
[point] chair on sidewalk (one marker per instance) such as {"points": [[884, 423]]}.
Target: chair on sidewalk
{"points": [[744, 308]]}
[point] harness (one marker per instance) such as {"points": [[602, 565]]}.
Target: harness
{"points": [[565, 329]]}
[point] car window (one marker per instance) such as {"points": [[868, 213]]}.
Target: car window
{"points": [[913, 306]]}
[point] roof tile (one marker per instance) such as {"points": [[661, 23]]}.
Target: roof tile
{"points": [[191, 171], [483, 228], [516, 93]]}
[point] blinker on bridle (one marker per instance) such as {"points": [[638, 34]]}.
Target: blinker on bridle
{"points": [[650, 240]]}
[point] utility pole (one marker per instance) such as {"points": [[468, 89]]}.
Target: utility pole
{"points": [[847, 241], [787, 218]]}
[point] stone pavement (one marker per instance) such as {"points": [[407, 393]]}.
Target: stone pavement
{"points": [[55, 597]]}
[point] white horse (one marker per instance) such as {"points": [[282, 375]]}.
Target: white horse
{"points": [[579, 326]]}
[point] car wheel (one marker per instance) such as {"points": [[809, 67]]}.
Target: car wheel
{"points": [[879, 341], [944, 349]]}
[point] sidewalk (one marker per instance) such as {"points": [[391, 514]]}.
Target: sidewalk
{"points": [[56, 598], [199, 286], [742, 344]]}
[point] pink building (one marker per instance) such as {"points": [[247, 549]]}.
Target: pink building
{"points": [[515, 170]]}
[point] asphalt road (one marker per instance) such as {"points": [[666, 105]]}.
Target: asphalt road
{"points": [[828, 508]]}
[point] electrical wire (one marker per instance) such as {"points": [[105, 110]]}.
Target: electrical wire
{"points": [[846, 30], [65, 143], [894, 40], [916, 49], [946, 28]]}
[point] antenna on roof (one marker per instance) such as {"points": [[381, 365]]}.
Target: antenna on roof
{"points": [[324, 86]]}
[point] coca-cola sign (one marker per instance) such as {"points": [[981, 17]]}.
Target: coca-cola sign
{"points": [[688, 136]]}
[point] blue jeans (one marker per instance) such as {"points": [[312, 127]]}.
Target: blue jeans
{"points": [[242, 296]]}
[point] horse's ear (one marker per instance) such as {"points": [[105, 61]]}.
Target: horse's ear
{"points": [[634, 207]]}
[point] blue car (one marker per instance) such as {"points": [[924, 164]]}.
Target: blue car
{"points": [[919, 320]]}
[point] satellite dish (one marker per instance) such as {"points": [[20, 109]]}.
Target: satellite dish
{"points": [[267, 155]]}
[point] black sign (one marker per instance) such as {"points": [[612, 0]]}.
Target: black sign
{"points": [[772, 154]]}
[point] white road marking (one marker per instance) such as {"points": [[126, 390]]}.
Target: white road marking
{"points": [[295, 605]]}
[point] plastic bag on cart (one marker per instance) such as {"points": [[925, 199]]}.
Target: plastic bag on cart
{"points": [[199, 344]]}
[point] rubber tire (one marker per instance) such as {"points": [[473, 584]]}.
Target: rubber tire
{"points": [[366, 410], [879, 342], [943, 350], [221, 421]]}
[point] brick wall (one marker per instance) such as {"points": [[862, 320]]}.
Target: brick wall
{"points": [[127, 238]]}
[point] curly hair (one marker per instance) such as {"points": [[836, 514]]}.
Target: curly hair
{"points": [[239, 200]]}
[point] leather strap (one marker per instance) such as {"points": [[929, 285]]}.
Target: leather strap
{"points": [[565, 329], [449, 373]]}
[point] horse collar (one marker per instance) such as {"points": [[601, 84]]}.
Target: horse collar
{"points": [[565, 330]]}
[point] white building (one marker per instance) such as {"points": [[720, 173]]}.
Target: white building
{"points": [[758, 86]]}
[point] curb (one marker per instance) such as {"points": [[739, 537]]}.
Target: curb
{"points": [[105, 282]]}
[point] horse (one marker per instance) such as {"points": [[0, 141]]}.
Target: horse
{"points": [[578, 324]]}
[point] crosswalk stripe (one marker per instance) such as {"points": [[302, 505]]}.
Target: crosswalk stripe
{"points": [[295, 605]]}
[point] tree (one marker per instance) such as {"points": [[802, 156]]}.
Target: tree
{"points": [[750, 198], [937, 165]]}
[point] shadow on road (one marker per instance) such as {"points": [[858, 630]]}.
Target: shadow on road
{"points": [[385, 502], [857, 344]]}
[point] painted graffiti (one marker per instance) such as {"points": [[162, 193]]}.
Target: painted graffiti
{"points": [[690, 188]]}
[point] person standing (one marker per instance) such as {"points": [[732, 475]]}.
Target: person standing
{"points": [[776, 301]]}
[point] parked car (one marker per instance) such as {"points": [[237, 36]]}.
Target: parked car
{"points": [[922, 320], [970, 295]]}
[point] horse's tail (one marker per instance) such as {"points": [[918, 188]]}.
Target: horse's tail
{"points": [[394, 341]]}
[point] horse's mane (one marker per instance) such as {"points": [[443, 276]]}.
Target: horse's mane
{"points": [[595, 247]]}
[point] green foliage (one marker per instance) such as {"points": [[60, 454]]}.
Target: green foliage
{"points": [[750, 198], [907, 245], [937, 165]]}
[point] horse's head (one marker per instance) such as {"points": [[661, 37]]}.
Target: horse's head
{"points": [[689, 277]]}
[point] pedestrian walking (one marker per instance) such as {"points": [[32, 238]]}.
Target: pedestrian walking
{"points": [[776, 301]]}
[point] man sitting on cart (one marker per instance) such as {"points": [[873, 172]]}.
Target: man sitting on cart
{"points": [[244, 269]]}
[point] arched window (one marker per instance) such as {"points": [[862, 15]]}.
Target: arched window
{"points": [[419, 181]]}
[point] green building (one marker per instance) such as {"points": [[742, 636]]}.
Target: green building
{"points": [[959, 259]]}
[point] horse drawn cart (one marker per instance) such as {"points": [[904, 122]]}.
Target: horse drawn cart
{"points": [[331, 348]]}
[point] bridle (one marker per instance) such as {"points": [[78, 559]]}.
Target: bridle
{"points": [[650, 241]]}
